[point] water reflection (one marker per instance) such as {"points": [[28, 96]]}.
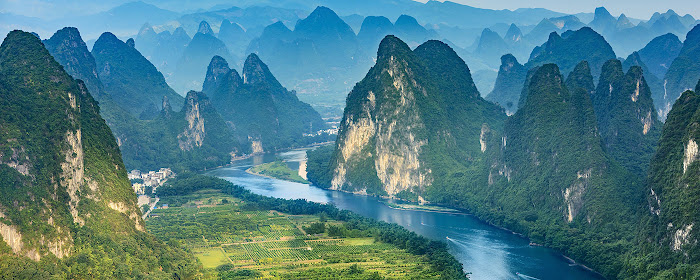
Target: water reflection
{"points": [[485, 251]]}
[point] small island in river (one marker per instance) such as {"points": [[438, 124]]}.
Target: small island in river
{"points": [[278, 170]]}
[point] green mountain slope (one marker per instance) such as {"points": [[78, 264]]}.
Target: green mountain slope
{"points": [[195, 138], [67, 209], [130, 79], [152, 144], [556, 183], [668, 239], [655, 84], [627, 120], [542, 172]]}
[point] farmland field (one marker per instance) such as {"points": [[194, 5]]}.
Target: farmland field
{"points": [[234, 239]]}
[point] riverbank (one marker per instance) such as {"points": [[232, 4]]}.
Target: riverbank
{"points": [[464, 229]]}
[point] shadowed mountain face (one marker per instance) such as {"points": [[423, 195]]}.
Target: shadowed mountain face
{"points": [[196, 57], [566, 51], [323, 52], [553, 142], [571, 48], [265, 114], [627, 120], [658, 54], [235, 38], [514, 34], [511, 77], [626, 37], [603, 21], [63, 155], [684, 72], [129, 78], [68, 48], [672, 192], [655, 59], [655, 84], [163, 49], [333, 38], [373, 30], [491, 46]]}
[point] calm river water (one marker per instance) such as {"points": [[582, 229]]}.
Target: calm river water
{"points": [[485, 251]]}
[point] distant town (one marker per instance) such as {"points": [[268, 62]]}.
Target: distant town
{"points": [[330, 131], [145, 183]]}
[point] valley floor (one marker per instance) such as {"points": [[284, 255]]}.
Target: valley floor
{"points": [[233, 240]]}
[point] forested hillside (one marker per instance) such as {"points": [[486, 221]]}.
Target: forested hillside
{"points": [[67, 209]]}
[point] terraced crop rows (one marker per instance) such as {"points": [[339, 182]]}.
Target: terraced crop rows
{"points": [[257, 252]]}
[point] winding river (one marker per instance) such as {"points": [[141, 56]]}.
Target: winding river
{"points": [[485, 251]]}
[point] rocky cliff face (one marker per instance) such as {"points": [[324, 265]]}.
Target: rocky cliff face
{"points": [[194, 133], [395, 152], [655, 84], [402, 115]]}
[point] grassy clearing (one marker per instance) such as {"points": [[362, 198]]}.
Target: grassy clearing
{"points": [[211, 257]]}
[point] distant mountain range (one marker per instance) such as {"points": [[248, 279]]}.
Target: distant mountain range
{"points": [[263, 112], [156, 127], [480, 38]]}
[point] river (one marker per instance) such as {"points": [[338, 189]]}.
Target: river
{"points": [[486, 252]]}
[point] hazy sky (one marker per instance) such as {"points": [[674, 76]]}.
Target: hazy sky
{"points": [[642, 9]]}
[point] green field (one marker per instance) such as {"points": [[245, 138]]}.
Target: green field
{"points": [[277, 169], [236, 240]]}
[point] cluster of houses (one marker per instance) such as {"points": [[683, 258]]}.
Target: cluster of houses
{"points": [[330, 131], [154, 179]]}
